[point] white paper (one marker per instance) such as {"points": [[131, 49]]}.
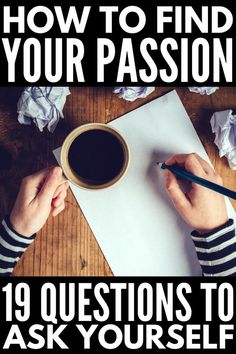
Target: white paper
{"points": [[132, 93], [204, 90], [43, 105], [223, 124], [134, 222]]}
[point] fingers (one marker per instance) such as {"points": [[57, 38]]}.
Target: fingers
{"points": [[36, 178], [50, 185], [63, 186], [58, 209], [56, 202], [175, 192], [33, 183], [205, 165], [190, 162]]}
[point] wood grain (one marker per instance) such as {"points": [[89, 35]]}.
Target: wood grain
{"points": [[66, 245]]}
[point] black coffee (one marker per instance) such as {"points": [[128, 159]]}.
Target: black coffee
{"points": [[96, 156]]}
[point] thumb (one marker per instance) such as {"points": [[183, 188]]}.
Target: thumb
{"points": [[50, 185], [175, 192]]}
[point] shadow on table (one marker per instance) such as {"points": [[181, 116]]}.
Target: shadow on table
{"points": [[9, 97]]}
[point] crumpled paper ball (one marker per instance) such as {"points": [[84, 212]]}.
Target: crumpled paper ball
{"points": [[42, 105], [223, 124], [132, 93], [203, 90]]}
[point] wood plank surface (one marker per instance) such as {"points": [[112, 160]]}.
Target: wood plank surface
{"points": [[66, 245]]}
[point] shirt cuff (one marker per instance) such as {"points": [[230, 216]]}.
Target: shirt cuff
{"points": [[12, 246], [218, 229], [11, 229], [216, 250]]}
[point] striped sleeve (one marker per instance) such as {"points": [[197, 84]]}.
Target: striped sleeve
{"points": [[216, 251], [12, 246]]}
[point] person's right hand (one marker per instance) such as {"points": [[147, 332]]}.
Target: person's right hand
{"points": [[201, 208]]}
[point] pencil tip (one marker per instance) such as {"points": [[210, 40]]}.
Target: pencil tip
{"points": [[159, 163]]}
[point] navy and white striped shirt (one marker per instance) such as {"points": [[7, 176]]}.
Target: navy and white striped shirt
{"points": [[12, 246], [216, 251]]}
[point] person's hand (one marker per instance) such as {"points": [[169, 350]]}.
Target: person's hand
{"points": [[40, 194], [201, 208]]}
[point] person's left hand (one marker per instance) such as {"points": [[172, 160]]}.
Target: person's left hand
{"points": [[40, 195]]}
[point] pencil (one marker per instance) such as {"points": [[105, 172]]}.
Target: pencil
{"points": [[178, 171]]}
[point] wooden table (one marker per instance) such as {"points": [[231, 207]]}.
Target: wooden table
{"points": [[66, 245]]}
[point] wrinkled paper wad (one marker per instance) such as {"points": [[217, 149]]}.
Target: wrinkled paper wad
{"points": [[224, 126], [203, 90], [132, 93], [42, 105]]}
